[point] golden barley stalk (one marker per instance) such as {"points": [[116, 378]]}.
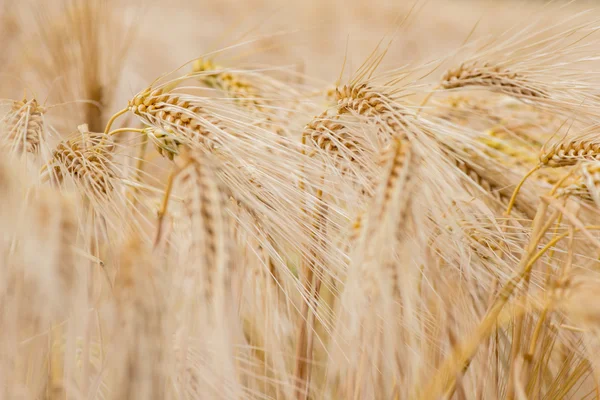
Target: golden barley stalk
{"points": [[166, 143], [234, 85], [486, 185], [206, 209], [492, 77], [332, 137], [377, 107], [391, 203], [187, 122], [570, 152], [312, 273], [246, 94], [562, 154], [394, 197], [205, 206], [25, 126], [587, 187], [86, 158]]}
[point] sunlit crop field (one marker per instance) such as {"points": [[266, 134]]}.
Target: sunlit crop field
{"points": [[315, 200]]}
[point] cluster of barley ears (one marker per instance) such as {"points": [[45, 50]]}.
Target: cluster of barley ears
{"points": [[241, 231]]}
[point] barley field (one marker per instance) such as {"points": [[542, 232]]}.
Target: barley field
{"points": [[266, 199]]}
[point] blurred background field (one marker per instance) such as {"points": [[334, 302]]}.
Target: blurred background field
{"points": [[161, 36]]}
